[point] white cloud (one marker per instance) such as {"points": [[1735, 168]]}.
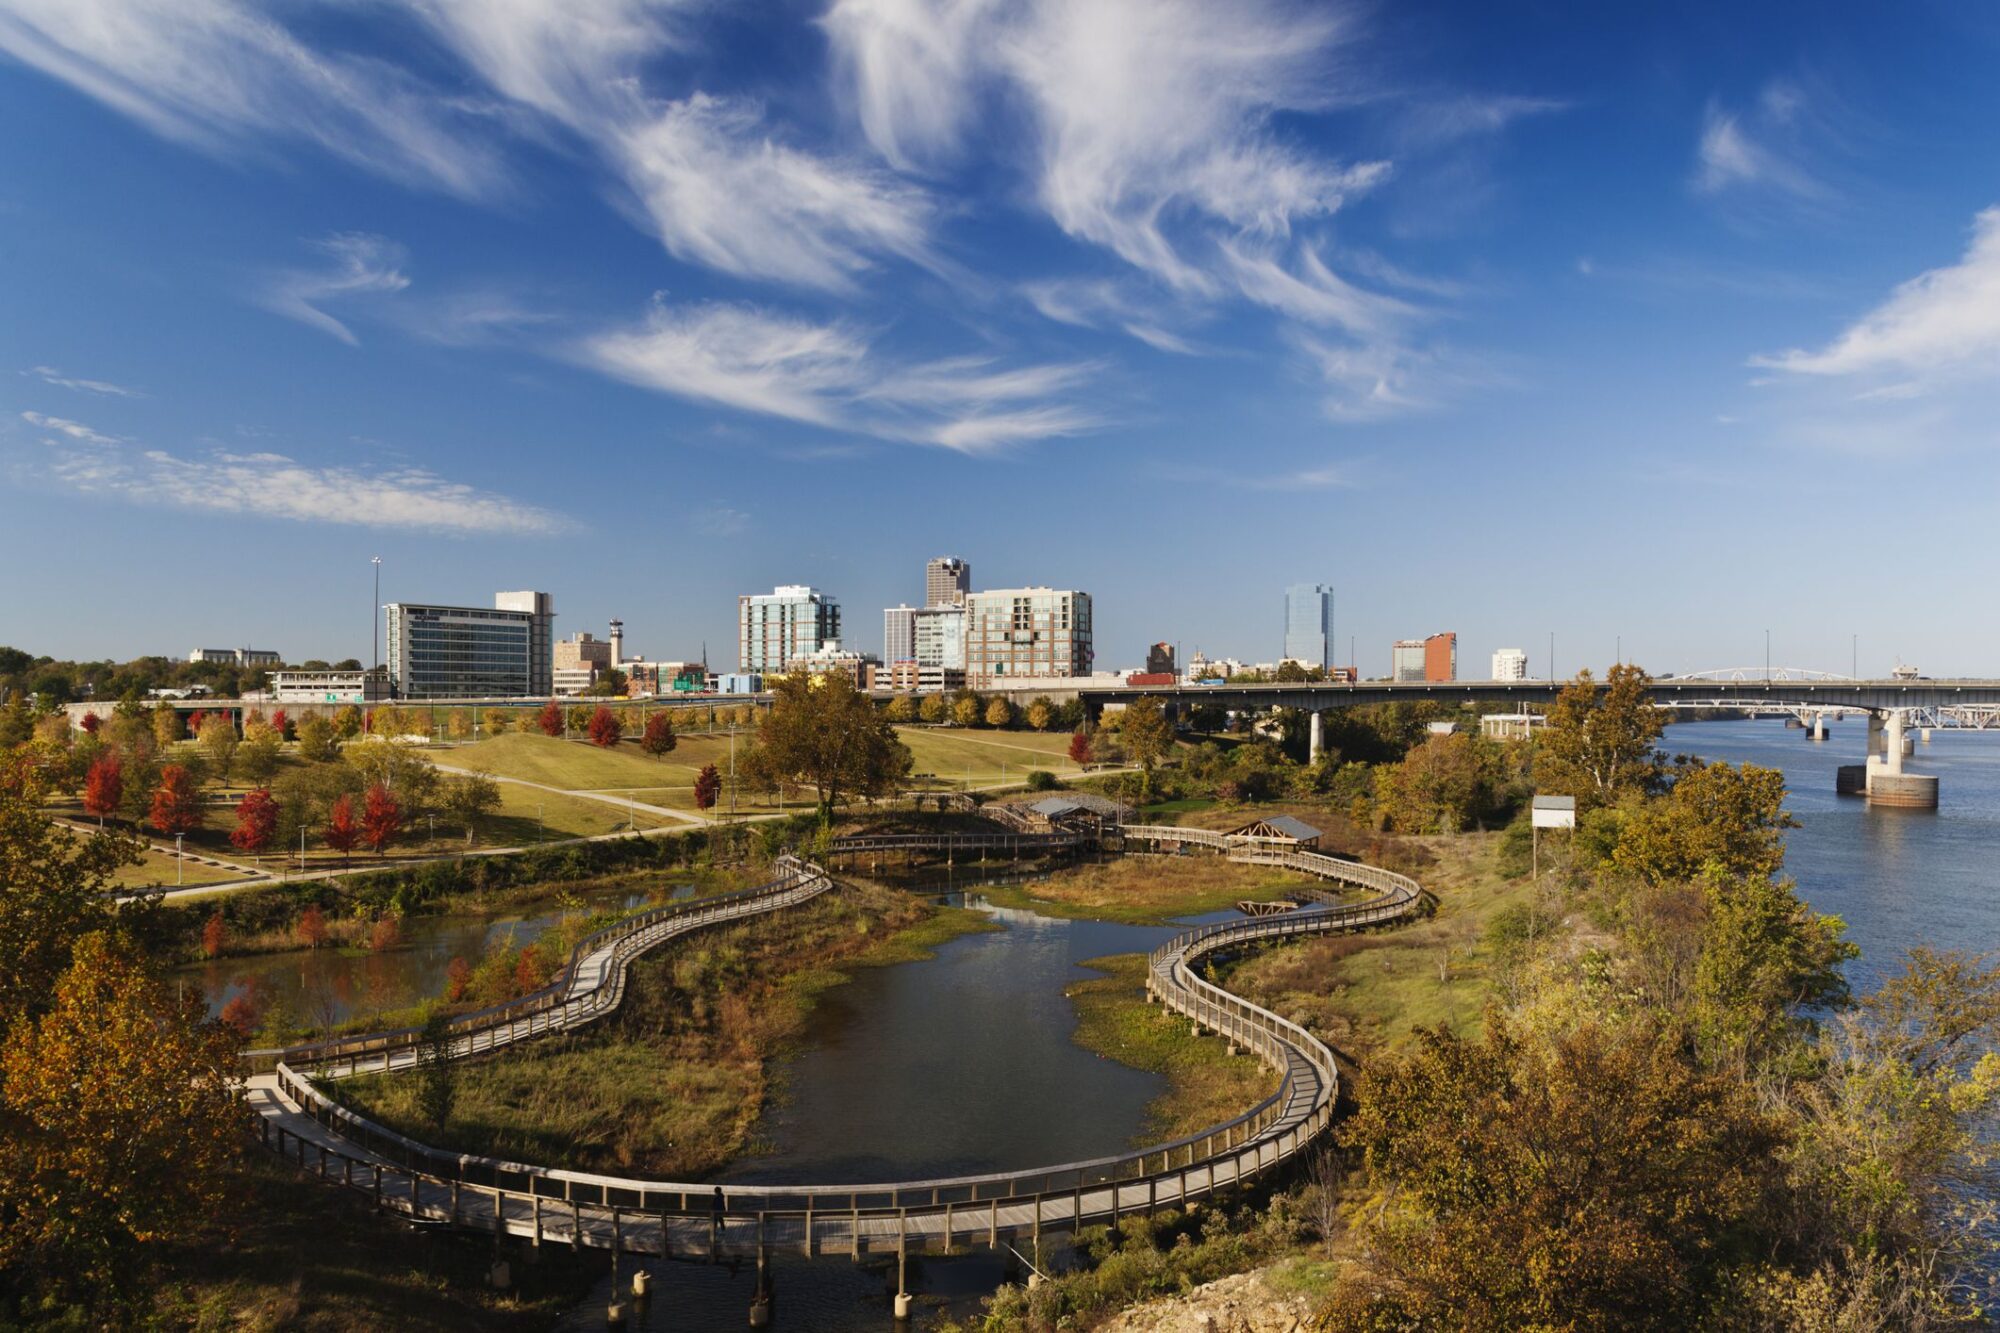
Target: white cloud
{"points": [[268, 485], [719, 520], [76, 430], [1760, 151], [227, 77], [1313, 294], [908, 67], [1444, 120], [103, 388], [1942, 323], [829, 375], [362, 265]]}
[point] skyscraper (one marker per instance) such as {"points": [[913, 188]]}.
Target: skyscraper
{"points": [[1510, 664], [468, 652], [946, 581], [899, 634], [776, 628], [1308, 623]]}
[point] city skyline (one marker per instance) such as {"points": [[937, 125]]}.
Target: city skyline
{"points": [[1523, 323]]}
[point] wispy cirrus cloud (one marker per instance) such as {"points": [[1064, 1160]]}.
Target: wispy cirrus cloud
{"points": [[102, 388], [268, 485], [1772, 158], [76, 430], [830, 375], [358, 265], [229, 78]]}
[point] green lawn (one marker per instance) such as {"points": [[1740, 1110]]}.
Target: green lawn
{"points": [[158, 869], [985, 758]]}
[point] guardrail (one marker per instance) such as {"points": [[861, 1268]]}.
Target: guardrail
{"points": [[663, 1217]]}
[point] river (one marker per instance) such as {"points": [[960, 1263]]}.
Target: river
{"points": [[1897, 877]]}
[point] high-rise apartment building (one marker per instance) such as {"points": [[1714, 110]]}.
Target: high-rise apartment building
{"points": [[947, 580], [1510, 664], [776, 628], [1406, 660], [1441, 657], [938, 645], [1308, 623], [469, 652], [1026, 632], [899, 634]]}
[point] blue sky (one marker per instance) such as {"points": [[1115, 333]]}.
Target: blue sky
{"points": [[1669, 325]]}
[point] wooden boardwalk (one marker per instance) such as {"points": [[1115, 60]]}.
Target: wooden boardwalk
{"points": [[704, 1221]]}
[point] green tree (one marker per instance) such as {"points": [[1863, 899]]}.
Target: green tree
{"points": [[347, 722], [122, 1122], [468, 799], [1715, 819], [218, 743], [318, 741], [1598, 745], [397, 768], [1441, 786], [1147, 736], [823, 733], [437, 1075], [260, 756]]}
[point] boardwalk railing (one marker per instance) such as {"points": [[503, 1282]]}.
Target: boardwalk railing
{"points": [[661, 1217]]}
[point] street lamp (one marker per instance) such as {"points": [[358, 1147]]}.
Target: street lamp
{"points": [[180, 862], [375, 618]]}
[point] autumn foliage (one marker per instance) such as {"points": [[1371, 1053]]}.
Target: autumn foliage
{"points": [[457, 980], [176, 802], [381, 819], [91, 722], [551, 719], [386, 933], [1079, 749], [104, 786], [659, 738], [707, 787], [605, 728], [256, 821], [214, 933], [312, 926], [342, 831]]}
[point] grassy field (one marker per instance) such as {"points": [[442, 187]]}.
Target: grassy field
{"points": [[674, 1083], [1148, 890], [1206, 1084], [1363, 993], [982, 758], [159, 869]]}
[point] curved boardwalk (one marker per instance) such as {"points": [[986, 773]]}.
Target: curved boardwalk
{"points": [[691, 1220]]}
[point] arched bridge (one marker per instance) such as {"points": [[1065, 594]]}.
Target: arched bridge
{"points": [[697, 1220]]}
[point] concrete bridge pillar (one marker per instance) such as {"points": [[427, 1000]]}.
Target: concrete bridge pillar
{"points": [[1888, 784], [1317, 735], [1819, 726]]}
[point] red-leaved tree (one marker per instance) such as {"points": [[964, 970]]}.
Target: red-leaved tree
{"points": [[312, 926], [381, 819], [281, 724], [659, 738], [551, 719], [256, 821], [91, 722], [176, 802], [605, 728], [457, 980], [240, 1013], [1079, 748], [103, 787], [342, 829], [214, 934], [707, 787]]}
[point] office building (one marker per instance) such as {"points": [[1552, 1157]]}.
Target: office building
{"points": [[581, 650], [947, 580], [776, 628], [243, 657], [1510, 664], [901, 677], [1406, 660], [899, 634], [1308, 624], [471, 652], [327, 687], [1441, 657], [1160, 659], [1026, 633]]}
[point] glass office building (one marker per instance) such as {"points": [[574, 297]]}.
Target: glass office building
{"points": [[472, 652], [775, 629], [1308, 623]]}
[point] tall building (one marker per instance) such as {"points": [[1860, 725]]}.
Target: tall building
{"points": [[1510, 664], [947, 580], [1308, 623], [938, 645], [581, 650], [1026, 632], [899, 634], [1406, 660], [1160, 658], [1441, 657], [775, 628], [469, 652]]}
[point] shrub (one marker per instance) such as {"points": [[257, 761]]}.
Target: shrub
{"points": [[1042, 780]]}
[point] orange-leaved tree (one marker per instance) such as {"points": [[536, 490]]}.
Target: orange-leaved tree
{"points": [[1079, 748], [605, 728], [256, 821], [103, 787], [122, 1123], [342, 830], [381, 819], [176, 802], [551, 718], [659, 738]]}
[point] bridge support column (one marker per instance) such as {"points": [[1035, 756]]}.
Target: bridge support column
{"points": [[1317, 735], [1819, 726], [1888, 784]]}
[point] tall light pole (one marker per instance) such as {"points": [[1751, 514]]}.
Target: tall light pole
{"points": [[375, 619], [1854, 660], [1767, 655]]}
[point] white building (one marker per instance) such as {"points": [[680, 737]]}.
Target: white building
{"points": [[1510, 664], [775, 628], [244, 657], [1406, 661], [899, 634]]}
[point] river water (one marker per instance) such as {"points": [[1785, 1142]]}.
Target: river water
{"points": [[1897, 877]]}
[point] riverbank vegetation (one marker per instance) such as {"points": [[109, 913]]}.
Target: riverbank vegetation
{"points": [[673, 1083], [1144, 889]]}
